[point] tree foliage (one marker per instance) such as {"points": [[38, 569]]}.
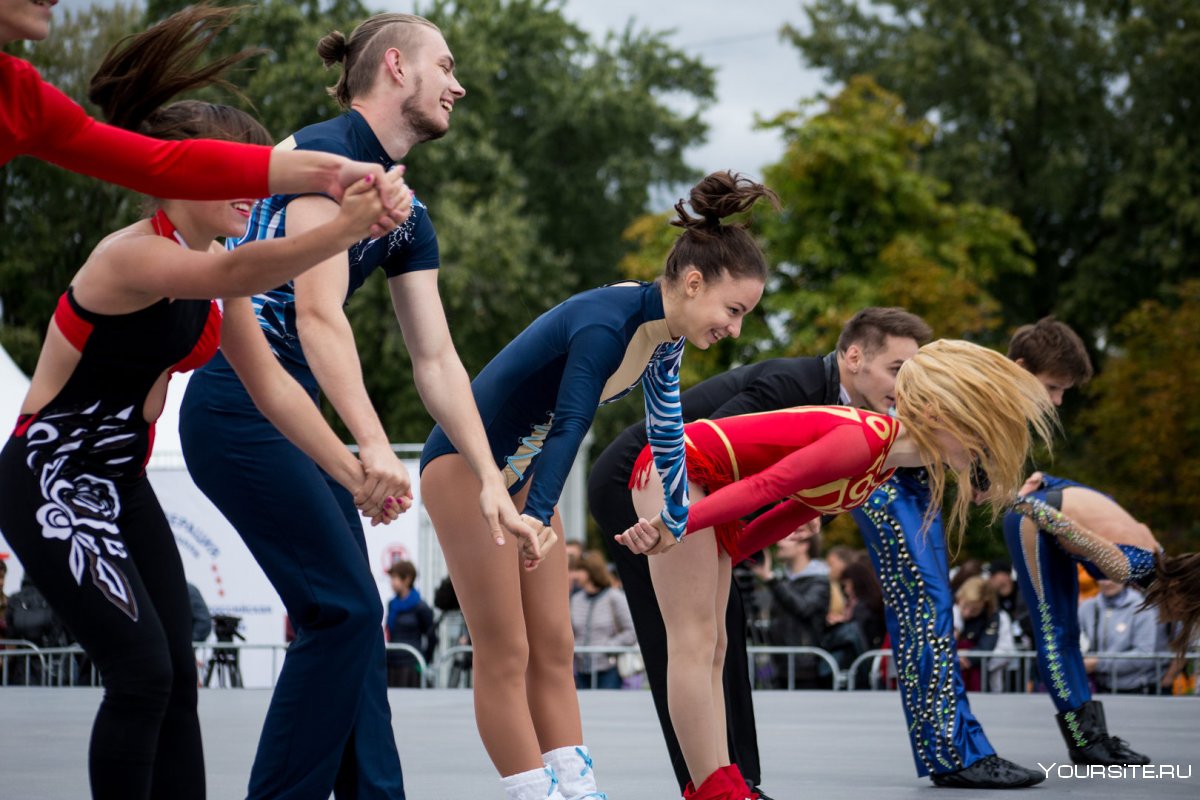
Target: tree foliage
{"points": [[864, 225], [53, 218], [1140, 432], [1080, 118]]}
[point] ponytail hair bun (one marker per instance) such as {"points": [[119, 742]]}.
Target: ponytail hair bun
{"points": [[717, 196], [333, 48]]}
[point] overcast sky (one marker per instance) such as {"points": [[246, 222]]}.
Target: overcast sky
{"points": [[757, 73]]}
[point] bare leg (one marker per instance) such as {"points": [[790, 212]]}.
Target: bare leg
{"points": [[720, 602], [686, 580], [550, 679], [487, 580]]}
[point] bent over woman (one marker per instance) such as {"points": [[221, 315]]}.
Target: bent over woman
{"points": [[537, 398]]}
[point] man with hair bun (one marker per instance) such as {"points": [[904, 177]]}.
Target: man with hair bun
{"points": [[329, 728], [860, 371]]}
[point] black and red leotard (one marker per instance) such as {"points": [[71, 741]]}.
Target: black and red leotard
{"points": [[816, 459], [122, 357], [37, 119]]}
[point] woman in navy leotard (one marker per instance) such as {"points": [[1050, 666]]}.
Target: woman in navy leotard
{"points": [[38, 120], [537, 399], [77, 507]]}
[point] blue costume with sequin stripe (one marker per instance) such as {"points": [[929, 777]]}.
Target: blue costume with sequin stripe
{"points": [[1049, 581], [538, 396], [919, 612]]}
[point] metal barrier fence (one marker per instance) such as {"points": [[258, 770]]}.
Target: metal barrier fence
{"points": [[23, 663]]}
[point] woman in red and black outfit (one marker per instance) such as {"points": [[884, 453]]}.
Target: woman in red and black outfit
{"points": [[807, 462], [37, 119], [76, 506]]}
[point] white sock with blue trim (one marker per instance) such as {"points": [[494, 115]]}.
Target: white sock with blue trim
{"points": [[536, 784], [576, 778]]}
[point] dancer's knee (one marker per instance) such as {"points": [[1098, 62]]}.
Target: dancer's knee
{"points": [[501, 660], [144, 680], [553, 647]]}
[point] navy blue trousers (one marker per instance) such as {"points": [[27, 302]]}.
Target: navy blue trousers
{"points": [[919, 612], [328, 728]]}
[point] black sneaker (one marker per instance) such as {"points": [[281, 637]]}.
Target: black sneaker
{"points": [[992, 772]]}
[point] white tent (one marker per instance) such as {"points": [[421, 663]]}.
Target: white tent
{"points": [[13, 388]]}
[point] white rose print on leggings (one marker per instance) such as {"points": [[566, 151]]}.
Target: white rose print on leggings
{"points": [[80, 507]]}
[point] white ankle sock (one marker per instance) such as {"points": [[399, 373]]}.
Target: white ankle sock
{"points": [[573, 767], [536, 784]]}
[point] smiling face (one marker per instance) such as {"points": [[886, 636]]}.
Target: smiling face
{"points": [[872, 380], [432, 87], [710, 311], [220, 217], [25, 19]]}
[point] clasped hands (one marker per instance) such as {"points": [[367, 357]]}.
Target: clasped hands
{"points": [[386, 489], [648, 536]]}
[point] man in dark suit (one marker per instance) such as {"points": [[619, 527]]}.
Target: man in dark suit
{"points": [[860, 372]]}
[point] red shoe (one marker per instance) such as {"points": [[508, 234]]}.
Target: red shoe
{"points": [[738, 782], [718, 786]]}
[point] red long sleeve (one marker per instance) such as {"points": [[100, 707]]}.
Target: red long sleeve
{"points": [[773, 526], [37, 119]]}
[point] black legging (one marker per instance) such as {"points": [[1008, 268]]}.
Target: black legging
{"points": [[611, 504], [146, 737]]}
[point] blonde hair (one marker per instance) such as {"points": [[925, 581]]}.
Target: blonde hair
{"points": [[988, 404], [977, 590], [360, 54]]}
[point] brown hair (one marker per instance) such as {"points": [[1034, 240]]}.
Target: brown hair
{"points": [[987, 404], [870, 328], [361, 53], [706, 243], [596, 567], [403, 570], [145, 70], [1175, 592], [866, 587], [1050, 347]]}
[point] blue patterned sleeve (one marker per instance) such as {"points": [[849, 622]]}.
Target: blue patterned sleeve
{"points": [[664, 431]]}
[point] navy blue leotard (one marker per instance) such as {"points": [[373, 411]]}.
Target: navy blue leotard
{"points": [[538, 396]]}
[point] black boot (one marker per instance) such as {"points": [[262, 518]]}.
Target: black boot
{"points": [[991, 772], [1086, 734]]}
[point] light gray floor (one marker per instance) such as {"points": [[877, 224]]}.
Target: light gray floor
{"points": [[814, 744]]}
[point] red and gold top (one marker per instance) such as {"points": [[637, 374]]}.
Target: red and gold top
{"points": [[818, 459]]}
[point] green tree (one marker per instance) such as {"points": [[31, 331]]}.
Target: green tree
{"points": [[863, 225], [1140, 432], [1079, 118], [53, 218]]}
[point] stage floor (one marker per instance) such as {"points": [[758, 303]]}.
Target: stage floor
{"points": [[814, 744]]}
